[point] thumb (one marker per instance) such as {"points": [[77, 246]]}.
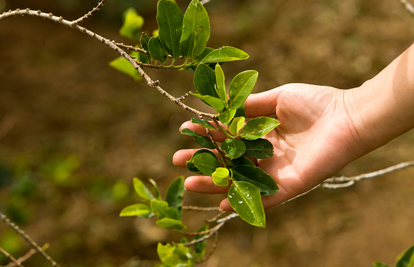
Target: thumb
{"points": [[262, 104]]}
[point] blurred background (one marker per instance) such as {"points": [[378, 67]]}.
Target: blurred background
{"points": [[74, 132]]}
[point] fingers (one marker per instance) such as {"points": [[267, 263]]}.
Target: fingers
{"points": [[262, 104], [204, 184], [217, 135], [182, 156]]}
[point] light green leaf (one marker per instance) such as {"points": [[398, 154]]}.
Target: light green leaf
{"points": [[258, 127], [157, 49], [171, 224], [205, 81], [203, 123], [220, 176], [170, 23], [225, 54], [213, 102], [236, 125], [174, 195], [407, 259], [200, 139], [234, 148], [190, 164], [167, 256], [257, 177], [259, 148], [221, 85], [241, 161], [226, 116], [155, 189], [140, 210], [142, 190], [195, 17], [206, 163], [123, 65], [245, 199], [162, 210], [132, 24], [379, 264], [200, 41], [241, 87]]}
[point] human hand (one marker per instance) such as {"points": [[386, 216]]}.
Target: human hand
{"points": [[316, 138]]}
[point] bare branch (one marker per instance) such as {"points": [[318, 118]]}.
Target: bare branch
{"points": [[215, 218], [409, 7], [10, 257], [22, 259], [89, 14], [204, 2], [210, 232], [194, 208], [27, 238], [132, 48]]}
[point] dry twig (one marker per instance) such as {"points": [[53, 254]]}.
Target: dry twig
{"points": [[22, 259], [89, 14], [408, 6], [10, 257]]}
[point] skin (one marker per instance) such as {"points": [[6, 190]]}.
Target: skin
{"points": [[322, 128]]}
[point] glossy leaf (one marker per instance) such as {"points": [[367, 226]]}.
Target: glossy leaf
{"points": [[379, 264], [170, 23], [155, 189], [190, 164], [234, 148], [407, 259], [257, 177], [213, 102], [241, 87], [225, 54], [157, 49], [171, 224], [162, 210], [174, 195], [195, 17], [206, 51], [205, 81], [241, 161], [226, 116], [142, 190], [220, 176], [259, 148], [258, 127], [131, 27], [245, 199], [203, 123], [200, 41], [200, 139], [200, 247], [206, 163], [122, 64], [140, 210], [236, 125], [221, 84]]}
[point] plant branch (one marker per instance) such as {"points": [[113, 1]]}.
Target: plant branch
{"points": [[204, 2], [132, 48], [194, 208], [22, 259], [208, 233], [409, 7], [10, 257], [89, 14], [27, 238]]}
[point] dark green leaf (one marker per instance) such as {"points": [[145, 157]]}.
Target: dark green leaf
{"points": [[220, 176], [142, 190], [200, 247], [174, 195], [155, 189], [200, 41], [407, 260], [245, 199], [140, 210], [190, 164], [213, 102], [226, 116], [200, 139], [206, 163], [379, 264], [258, 127], [171, 224], [123, 65], [144, 42], [195, 17], [241, 161], [205, 81], [143, 58], [236, 125], [234, 148], [225, 54], [259, 149], [221, 85], [170, 23], [157, 49], [162, 210], [257, 177], [240, 112], [203, 123], [241, 87], [132, 25], [206, 51]]}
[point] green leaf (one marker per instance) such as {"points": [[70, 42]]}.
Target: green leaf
{"points": [[167, 255], [203, 123], [221, 84], [257, 177], [142, 190], [258, 127], [236, 125], [379, 264], [144, 42], [241, 161], [190, 164], [140, 210], [245, 199], [206, 51], [157, 49], [200, 248], [240, 112], [200, 41], [407, 260], [226, 116], [220, 176], [206, 163], [170, 23], [259, 148], [241, 87], [174, 195], [205, 81], [225, 54], [123, 65], [162, 210], [195, 17], [200, 139], [234, 148], [171, 224], [155, 189], [143, 58], [213, 102], [132, 25]]}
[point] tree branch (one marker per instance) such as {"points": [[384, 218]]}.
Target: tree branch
{"points": [[409, 7], [22, 259], [89, 14], [10, 257]]}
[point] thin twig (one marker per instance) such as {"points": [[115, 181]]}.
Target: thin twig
{"points": [[22, 259], [27, 238], [132, 48], [409, 7], [204, 2], [207, 236], [228, 218], [89, 14], [10, 257], [215, 218], [194, 208], [213, 247]]}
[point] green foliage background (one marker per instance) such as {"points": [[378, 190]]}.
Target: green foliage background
{"points": [[81, 131]]}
